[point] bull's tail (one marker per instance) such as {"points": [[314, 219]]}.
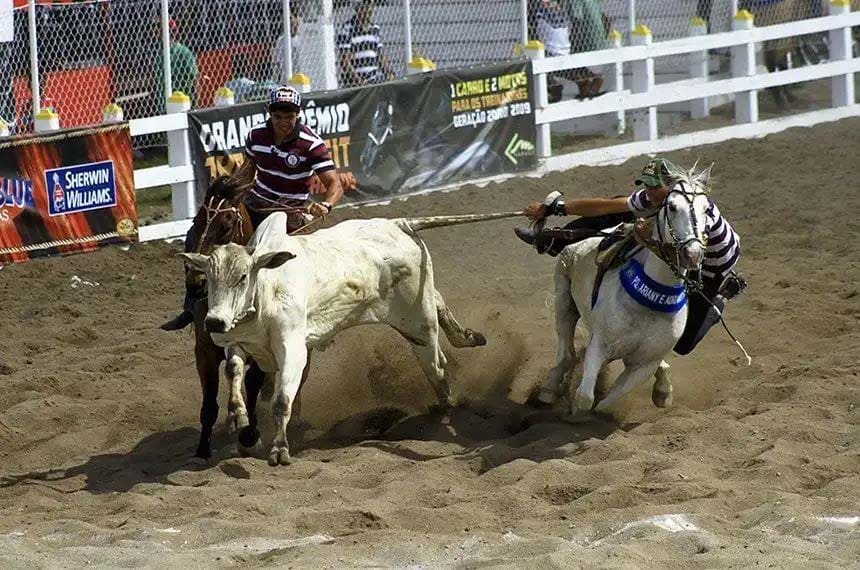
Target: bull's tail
{"points": [[429, 222]]}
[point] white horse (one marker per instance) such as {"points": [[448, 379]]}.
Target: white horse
{"points": [[640, 310]]}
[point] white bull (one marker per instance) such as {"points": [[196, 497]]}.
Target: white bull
{"points": [[356, 272]]}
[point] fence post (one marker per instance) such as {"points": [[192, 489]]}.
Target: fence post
{"points": [[407, 33], [616, 83], [699, 108], [46, 120], [534, 50], [644, 120], [34, 58], [179, 154], [165, 49], [841, 50], [631, 18], [524, 21], [419, 65], [301, 82], [224, 97], [287, 55], [743, 65]]}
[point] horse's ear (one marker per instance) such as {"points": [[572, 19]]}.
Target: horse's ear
{"points": [[704, 177]]}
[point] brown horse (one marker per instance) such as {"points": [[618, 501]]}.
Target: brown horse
{"points": [[222, 219]]}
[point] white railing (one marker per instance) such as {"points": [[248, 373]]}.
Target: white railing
{"points": [[641, 97], [644, 96]]}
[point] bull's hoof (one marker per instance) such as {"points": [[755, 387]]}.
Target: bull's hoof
{"points": [[279, 456], [661, 399], [197, 462], [249, 436], [477, 339]]}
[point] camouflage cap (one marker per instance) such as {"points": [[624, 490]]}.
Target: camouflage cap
{"points": [[654, 173]]}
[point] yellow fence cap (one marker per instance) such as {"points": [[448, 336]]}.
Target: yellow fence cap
{"points": [[300, 79], [224, 91], [46, 113], [697, 21], [534, 44], [840, 2], [178, 97], [112, 108], [615, 35], [744, 15], [421, 63], [641, 30]]}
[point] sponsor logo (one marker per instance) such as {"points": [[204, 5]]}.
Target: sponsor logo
{"points": [[519, 147], [292, 160], [15, 195], [125, 227], [80, 188]]}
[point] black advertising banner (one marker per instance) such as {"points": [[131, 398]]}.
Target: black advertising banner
{"points": [[398, 137]]}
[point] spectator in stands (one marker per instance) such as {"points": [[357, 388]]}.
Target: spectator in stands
{"points": [[183, 66], [360, 46], [555, 21], [241, 85], [279, 66]]}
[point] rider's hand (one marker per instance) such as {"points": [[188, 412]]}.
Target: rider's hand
{"points": [[536, 211], [317, 210]]}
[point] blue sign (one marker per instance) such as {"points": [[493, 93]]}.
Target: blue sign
{"points": [[16, 193], [80, 188]]}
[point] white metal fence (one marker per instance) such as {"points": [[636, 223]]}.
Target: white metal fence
{"points": [[93, 52]]}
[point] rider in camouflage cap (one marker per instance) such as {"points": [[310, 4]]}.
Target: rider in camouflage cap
{"points": [[656, 173]]}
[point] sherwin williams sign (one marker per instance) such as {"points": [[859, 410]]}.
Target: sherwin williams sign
{"points": [[80, 188]]}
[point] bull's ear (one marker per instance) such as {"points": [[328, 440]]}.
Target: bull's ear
{"points": [[272, 259], [195, 260]]}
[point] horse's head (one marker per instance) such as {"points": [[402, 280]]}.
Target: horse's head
{"points": [[682, 219], [222, 218]]}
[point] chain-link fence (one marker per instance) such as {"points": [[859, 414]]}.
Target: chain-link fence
{"points": [[94, 52]]}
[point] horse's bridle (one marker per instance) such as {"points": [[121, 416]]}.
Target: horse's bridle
{"points": [[212, 212], [676, 244]]}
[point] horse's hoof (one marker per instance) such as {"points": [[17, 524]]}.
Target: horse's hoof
{"points": [[249, 436], [279, 456], [582, 402], [661, 399]]}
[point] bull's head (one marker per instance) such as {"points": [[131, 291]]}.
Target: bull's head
{"points": [[231, 272]]}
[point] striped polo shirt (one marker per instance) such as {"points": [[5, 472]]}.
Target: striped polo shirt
{"points": [[284, 171], [724, 245], [364, 45]]}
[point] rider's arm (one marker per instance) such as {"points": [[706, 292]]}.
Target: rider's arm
{"points": [[333, 188], [590, 207]]}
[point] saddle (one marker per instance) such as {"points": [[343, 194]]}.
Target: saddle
{"points": [[612, 252]]}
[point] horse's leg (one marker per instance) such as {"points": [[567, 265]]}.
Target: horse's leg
{"points": [[595, 358], [566, 317], [661, 393], [235, 371], [631, 377], [208, 358], [254, 379]]}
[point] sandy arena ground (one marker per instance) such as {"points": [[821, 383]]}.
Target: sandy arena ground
{"points": [[755, 466]]}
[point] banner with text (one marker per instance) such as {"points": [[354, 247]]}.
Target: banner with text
{"points": [[66, 192], [397, 137]]}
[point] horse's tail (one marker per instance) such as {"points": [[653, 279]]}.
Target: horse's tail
{"points": [[429, 222]]}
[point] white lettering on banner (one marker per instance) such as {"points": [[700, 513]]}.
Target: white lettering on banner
{"points": [[233, 135], [326, 120], [100, 176], [230, 134], [87, 198]]}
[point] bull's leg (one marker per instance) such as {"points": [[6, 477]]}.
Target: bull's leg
{"points": [[566, 317], [291, 364], [632, 376], [254, 379], [208, 358], [235, 371], [595, 358], [661, 393], [458, 336]]}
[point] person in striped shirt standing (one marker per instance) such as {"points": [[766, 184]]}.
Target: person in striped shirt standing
{"points": [[719, 279], [283, 159], [359, 44]]}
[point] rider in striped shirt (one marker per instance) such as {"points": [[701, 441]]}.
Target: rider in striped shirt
{"points": [[719, 281]]}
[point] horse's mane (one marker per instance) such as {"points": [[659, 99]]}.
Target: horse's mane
{"points": [[227, 188], [693, 176]]}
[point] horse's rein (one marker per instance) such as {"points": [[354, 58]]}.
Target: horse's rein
{"points": [[212, 212]]}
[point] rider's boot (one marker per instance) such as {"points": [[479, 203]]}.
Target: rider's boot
{"points": [[183, 319]]}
